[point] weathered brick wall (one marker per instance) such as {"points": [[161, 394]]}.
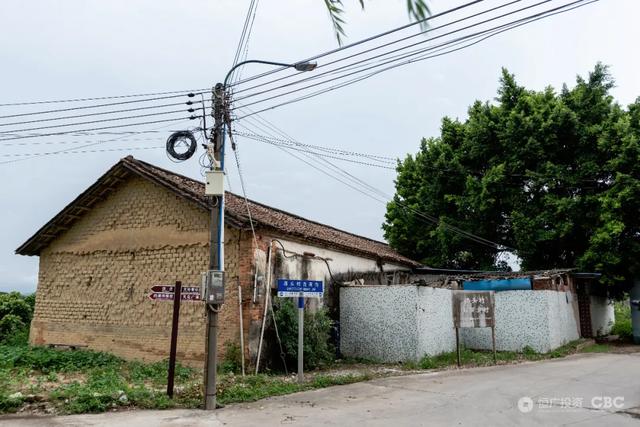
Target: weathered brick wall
{"points": [[94, 280]]}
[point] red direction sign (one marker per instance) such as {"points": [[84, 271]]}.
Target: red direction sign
{"points": [[169, 296], [172, 289]]}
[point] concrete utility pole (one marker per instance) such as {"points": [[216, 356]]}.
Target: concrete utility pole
{"points": [[216, 254], [216, 229]]}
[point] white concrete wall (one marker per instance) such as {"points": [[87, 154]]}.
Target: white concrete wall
{"points": [[602, 315], [563, 318], [341, 262], [434, 314], [379, 322], [399, 323], [542, 320]]}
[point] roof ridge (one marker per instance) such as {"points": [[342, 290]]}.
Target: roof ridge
{"points": [[192, 190], [130, 158]]}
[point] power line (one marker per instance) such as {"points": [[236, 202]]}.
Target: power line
{"points": [[387, 198], [242, 185], [138, 116], [511, 25], [109, 104], [82, 133], [100, 128], [407, 55], [243, 35], [429, 30], [57, 101], [332, 150], [102, 150], [30, 143], [156, 129], [271, 142], [366, 40], [101, 113]]}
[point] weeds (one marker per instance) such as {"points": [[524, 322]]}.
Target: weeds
{"points": [[622, 326], [485, 358]]}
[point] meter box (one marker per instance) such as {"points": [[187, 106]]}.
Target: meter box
{"points": [[212, 288], [214, 183]]}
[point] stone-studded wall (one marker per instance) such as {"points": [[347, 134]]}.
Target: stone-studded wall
{"points": [[542, 320], [434, 315], [94, 280], [379, 322], [405, 322]]}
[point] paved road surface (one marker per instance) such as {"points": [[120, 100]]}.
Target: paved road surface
{"points": [[473, 397]]}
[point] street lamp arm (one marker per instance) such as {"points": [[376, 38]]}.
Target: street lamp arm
{"points": [[300, 66]]}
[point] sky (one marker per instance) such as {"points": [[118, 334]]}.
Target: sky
{"points": [[89, 48]]}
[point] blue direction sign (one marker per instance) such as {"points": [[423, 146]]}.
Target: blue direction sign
{"points": [[293, 288]]}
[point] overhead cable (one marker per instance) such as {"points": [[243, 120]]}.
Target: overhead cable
{"points": [[515, 24], [386, 198], [422, 33], [138, 116], [100, 128], [404, 56], [98, 98], [109, 104], [366, 40], [127, 110]]}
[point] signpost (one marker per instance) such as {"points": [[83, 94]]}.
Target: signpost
{"points": [[174, 339], [300, 289], [474, 309], [176, 293], [170, 296], [168, 292], [172, 288]]}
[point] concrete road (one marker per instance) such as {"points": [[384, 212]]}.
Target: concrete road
{"points": [[584, 390]]}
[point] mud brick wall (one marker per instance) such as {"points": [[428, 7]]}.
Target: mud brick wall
{"points": [[95, 279]]}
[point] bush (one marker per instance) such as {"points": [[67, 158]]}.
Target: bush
{"points": [[622, 326], [232, 358], [317, 350], [16, 313]]}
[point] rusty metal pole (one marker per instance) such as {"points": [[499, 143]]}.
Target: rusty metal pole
{"points": [[177, 296]]}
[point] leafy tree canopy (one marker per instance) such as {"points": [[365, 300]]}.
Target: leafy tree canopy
{"points": [[556, 176]]}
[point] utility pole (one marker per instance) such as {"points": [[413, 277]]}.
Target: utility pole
{"points": [[213, 286], [216, 254]]}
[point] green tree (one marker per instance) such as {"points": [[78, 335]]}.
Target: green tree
{"points": [[16, 313], [417, 9], [554, 175]]}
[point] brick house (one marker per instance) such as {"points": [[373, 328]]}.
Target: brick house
{"points": [[138, 226]]}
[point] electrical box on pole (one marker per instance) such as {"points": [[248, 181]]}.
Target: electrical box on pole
{"points": [[212, 289], [214, 185]]}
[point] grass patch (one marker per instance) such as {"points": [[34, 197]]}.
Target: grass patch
{"points": [[233, 389], [596, 348], [471, 358], [81, 381]]}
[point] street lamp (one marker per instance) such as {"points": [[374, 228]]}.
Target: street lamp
{"points": [[300, 66], [216, 235]]}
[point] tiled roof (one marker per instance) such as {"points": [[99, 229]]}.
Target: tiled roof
{"points": [[235, 209]]}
